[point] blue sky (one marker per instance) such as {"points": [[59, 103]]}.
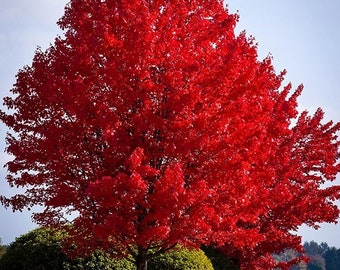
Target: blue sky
{"points": [[303, 37]]}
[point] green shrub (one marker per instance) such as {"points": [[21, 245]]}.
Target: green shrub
{"points": [[99, 261], [2, 248], [38, 249], [181, 259], [219, 260]]}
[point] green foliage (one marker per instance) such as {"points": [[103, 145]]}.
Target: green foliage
{"points": [[315, 252], [2, 248], [123, 264], [99, 261], [180, 259], [219, 260], [312, 248], [38, 249], [332, 259], [312, 266]]}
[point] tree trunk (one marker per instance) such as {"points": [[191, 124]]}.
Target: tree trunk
{"points": [[142, 265], [142, 260]]}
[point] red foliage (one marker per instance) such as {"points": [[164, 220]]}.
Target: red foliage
{"points": [[156, 125]]}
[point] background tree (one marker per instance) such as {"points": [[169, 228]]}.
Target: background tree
{"points": [[219, 260], [316, 252], [313, 248], [332, 258], [98, 260], [290, 255], [154, 125], [2, 248], [181, 258], [38, 249]]}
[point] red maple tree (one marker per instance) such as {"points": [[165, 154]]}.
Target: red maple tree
{"points": [[154, 125]]}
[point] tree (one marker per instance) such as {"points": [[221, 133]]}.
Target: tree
{"points": [[315, 252], [98, 260], [2, 248], [152, 125], [219, 260], [38, 249], [41, 249], [332, 258], [313, 266], [181, 258], [312, 248]]}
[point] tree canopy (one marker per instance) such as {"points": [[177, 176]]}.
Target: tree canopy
{"points": [[151, 124], [2, 248], [38, 249]]}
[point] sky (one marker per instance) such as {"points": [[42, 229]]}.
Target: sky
{"points": [[302, 36]]}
